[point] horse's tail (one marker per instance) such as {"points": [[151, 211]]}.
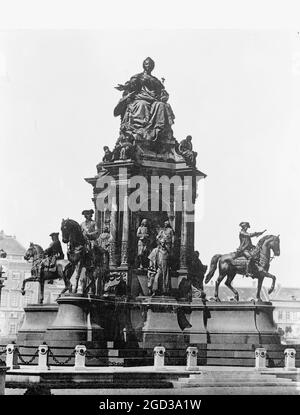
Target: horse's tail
{"points": [[213, 266]]}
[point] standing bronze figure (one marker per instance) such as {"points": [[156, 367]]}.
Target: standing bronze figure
{"points": [[159, 279], [143, 236]]}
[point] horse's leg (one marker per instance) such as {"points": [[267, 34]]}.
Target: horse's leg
{"points": [[41, 289], [228, 282], [25, 281], [218, 282], [259, 285], [67, 275], [80, 266], [223, 269], [63, 274], [273, 278]]}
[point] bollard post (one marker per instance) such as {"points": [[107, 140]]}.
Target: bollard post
{"points": [[159, 357], [191, 358], [43, 357], [260, 358], [12, 356], [80, 353], [290, 359]]}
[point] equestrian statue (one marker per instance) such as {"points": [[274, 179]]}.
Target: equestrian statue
{"points": [[47, 265], [248, 260]]}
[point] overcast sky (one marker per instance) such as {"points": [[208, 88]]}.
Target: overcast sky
{"points": [[236, 92]]}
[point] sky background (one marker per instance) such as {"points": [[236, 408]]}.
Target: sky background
{"points": [[237, 92]]}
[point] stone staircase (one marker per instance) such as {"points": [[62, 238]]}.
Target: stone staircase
{"points": [[236, 379]]}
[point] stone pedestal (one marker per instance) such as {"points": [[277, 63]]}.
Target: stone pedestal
{"points": [[38, 317], [228, 322], [77, 322]]}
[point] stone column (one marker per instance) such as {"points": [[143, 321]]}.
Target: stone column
{"points": [[113, 232], [184, 238], [125, 232]]}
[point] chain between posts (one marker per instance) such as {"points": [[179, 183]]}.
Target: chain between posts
{"points": [[90, 356], [24, 362], [68, 359]]}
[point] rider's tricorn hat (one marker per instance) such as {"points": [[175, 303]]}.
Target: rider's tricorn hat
{"points": [[242, 224], [54, 234], [87, 211]]}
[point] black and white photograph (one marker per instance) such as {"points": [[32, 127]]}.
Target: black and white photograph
{"points": [[149, 214]]}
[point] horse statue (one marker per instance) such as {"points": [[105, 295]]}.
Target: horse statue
{"points": [[229, 266], [38, 274], [84, 253]]}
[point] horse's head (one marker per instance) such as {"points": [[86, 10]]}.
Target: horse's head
{"points": [[71, 230], [275, 245], [271, 242], [65, 230], [33, 251]]}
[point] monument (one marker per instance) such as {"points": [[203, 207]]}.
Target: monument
{"points": [[142, 283]]}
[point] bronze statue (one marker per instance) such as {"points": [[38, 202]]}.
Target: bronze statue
{"points": [[143, 236], [52, 254], [246, 247], [108, 155], [3, 254], [196, 274], [168, 235], [159, 280], [41, 273], [104, 239], [230, 265], [124, 148], [103, 242], [143, 108], [185, 149], [82, 254], [89, 226]]}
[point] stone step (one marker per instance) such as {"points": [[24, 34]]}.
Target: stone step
{"points": [[233, 380], [291, 385], [232, 376]]}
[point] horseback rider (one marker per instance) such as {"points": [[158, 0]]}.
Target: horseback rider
{"points": [[246, 247], [89, 226], [52, 254]]}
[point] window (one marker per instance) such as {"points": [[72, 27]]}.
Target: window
{"points": [[12, 328], [279, 315], [29, 297], [16, 275], [288, 315], [4, 298], [14, 299]]}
